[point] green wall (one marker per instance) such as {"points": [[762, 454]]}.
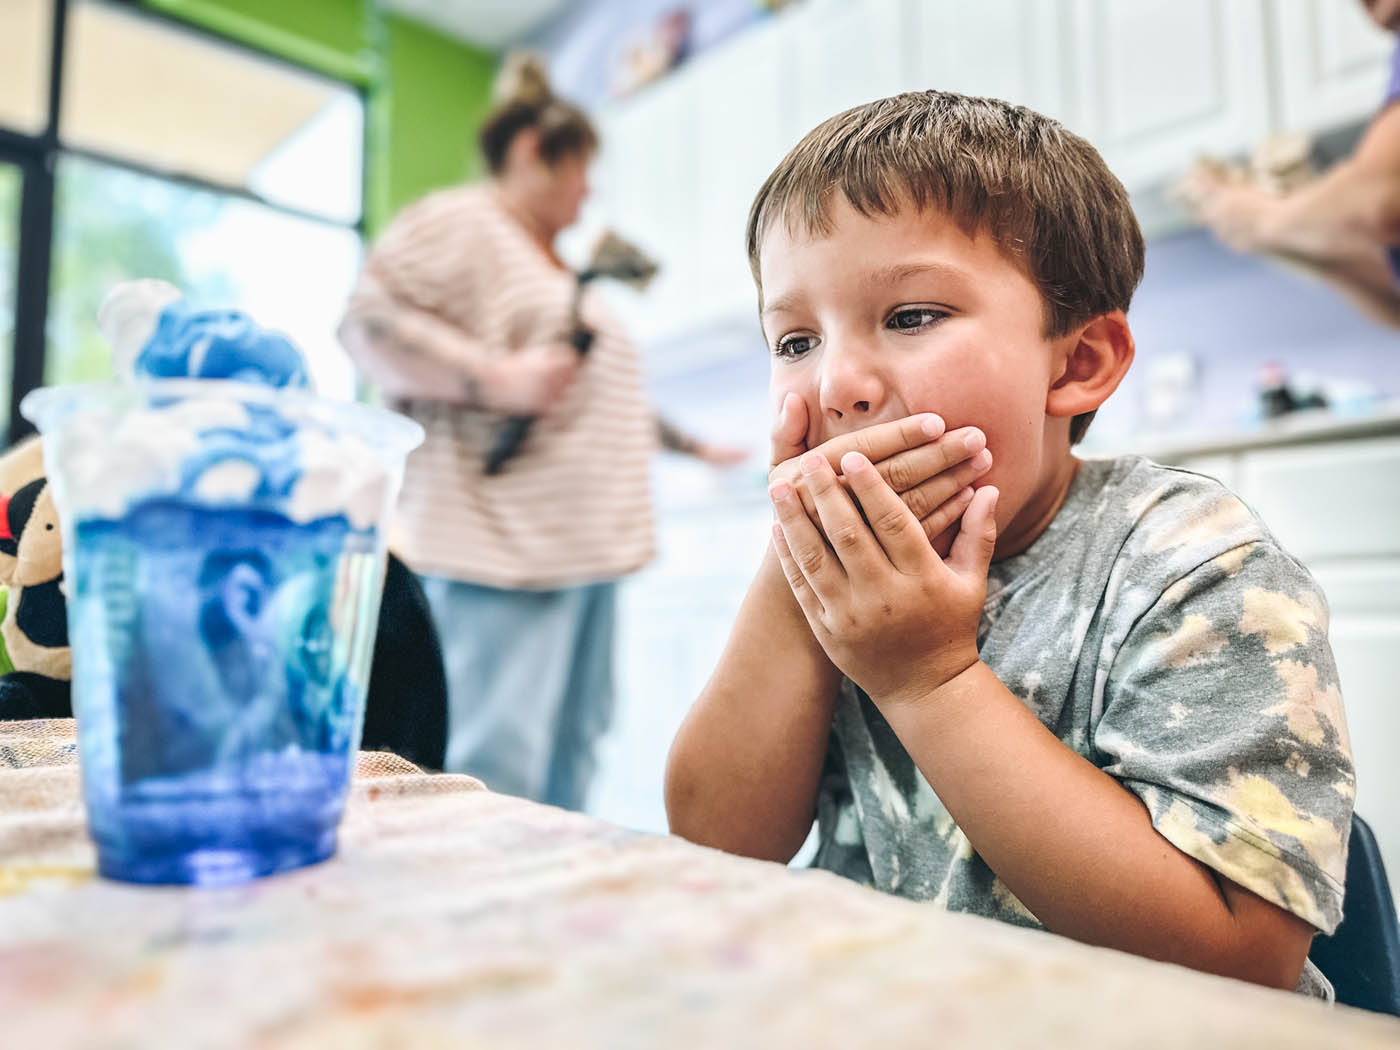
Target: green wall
{"points": [[426, 92], [440, 93]]}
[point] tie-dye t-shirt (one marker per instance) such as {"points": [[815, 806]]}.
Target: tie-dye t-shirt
{"points": [[1159, 630]]}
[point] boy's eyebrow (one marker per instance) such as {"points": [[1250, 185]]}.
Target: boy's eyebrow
{"points": [[781, 303], [878, 278], [901, 271]]}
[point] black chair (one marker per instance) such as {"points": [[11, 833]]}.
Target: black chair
{"points": [[1362, 958], [406, 706]]}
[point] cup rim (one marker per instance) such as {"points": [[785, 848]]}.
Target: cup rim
{"points": [[48, 405]]}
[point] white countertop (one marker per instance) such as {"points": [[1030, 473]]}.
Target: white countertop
{"points": [[1296, 428]]}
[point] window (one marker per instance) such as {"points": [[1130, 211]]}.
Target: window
{"points": [[26, 28], [172, 154], [10, 185], [168, 101]]}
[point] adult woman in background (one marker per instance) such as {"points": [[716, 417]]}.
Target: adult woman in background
{"points": [[462, 317]]}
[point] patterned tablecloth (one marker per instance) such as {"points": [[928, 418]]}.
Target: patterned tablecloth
{"points": [[456, 917]]}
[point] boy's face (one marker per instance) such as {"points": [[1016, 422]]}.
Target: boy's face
{"points": [[892, 315]]}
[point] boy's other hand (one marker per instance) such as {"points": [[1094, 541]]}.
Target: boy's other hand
{"points": [[932, 471], [896, 618]]}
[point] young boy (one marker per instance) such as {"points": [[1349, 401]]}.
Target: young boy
{"points": [[1090, 696]]}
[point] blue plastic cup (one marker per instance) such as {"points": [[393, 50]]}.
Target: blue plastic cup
{"points": [[223, 559]]}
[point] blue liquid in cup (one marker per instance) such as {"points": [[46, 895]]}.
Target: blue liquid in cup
{"points": [[221, 658]]}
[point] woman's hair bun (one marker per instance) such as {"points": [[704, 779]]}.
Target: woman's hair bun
{"points": [[523, 79]]}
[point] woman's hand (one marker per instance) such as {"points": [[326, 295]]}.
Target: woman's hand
{"points": [[528, 382]]}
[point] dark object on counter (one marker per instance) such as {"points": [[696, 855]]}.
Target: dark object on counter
{"points": [[612, 257], [1277, 398], [1362, 958], [25, 695], [406, 705]]}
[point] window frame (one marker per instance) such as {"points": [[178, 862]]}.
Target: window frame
{"points": [[37, 155]]}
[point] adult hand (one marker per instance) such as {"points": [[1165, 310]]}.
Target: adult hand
{"points": [[1236, 210], [932, 471], [896, 618], [529, 381]]}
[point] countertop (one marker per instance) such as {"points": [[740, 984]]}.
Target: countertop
{"points": [[1297, 428]]}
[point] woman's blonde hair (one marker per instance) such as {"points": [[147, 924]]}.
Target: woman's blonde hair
{"points": [[1043, 193], [523, 98]]}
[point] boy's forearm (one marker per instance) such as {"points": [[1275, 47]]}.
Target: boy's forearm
{"points": [[1077, 848], [746, 764]]}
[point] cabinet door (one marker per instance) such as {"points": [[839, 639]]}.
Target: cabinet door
{"points": [[849, 52], [1365, 636], [742, 129], [645, 186], [1330, 500], [1008, 49], [1161, 81], [1331, 64]]}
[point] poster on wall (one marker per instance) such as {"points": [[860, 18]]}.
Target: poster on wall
{"points": [[661, 41]]}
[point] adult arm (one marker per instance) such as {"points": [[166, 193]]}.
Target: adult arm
{"points": [[1336, 228], [412, 354]]}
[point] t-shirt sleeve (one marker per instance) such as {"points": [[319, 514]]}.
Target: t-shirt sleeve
{"points": [[1222, 712]]}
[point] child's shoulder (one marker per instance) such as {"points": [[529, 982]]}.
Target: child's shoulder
{"points": [[1166, 522], [1160, 506]]}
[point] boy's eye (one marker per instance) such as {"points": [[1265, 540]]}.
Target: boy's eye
{"points": [[913, 318], [794, 345]]}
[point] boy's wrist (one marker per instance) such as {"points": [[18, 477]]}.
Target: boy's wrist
{"points": [[937, 689]]}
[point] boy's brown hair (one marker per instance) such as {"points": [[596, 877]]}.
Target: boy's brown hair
{"points": [[1043, 193]]}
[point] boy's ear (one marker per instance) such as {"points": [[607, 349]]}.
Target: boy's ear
{"points": [[1094, 363]]}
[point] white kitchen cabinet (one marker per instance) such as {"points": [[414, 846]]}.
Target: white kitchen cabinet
{"points": [[1331, 63], [743, 127], [848, 52], [1335, 505], [1009, 49], [646, 188], [1160, 82]]}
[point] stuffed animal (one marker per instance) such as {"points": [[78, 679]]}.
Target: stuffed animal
{"points": [[35, 659]]}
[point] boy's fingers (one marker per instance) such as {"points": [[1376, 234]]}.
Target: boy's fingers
{"points": [[789, 436], [977, 538], [906, 470], [899, 533], [840, 520], [942, 518], [810, 553], [884, 439], [925, 498], [807, 599]]}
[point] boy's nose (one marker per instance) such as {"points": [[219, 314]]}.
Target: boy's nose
{"points": [[851, 391]]}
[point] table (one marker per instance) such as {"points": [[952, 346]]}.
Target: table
{"points": [[456, 917]]}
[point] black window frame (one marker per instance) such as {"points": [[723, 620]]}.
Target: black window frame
{"points": [[36, 156]]}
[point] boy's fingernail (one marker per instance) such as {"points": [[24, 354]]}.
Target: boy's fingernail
{"points": [[853, 461], [932, 426], [982, 460], [812, 462], [975, 440], [780, 490]]}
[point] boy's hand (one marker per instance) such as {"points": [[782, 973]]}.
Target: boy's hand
{"points": [[931, 471], [897, 619]]}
